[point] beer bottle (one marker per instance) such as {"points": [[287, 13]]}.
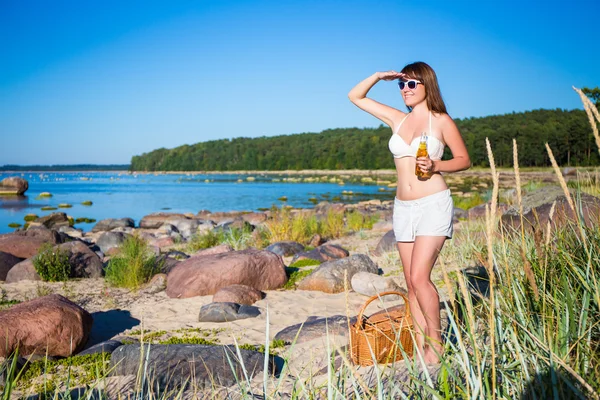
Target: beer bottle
{"points": [[422, 152]]}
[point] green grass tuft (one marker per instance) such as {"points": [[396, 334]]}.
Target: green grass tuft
{"points": [[134, 264], [295, 275]]}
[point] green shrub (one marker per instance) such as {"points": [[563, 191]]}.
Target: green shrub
{"points": [[64, 205], [355, 221], [134, 264], [333, 224], [48, 208], [14, 225], [52, 264], [86, 203], [468, 202], [205, 240]]}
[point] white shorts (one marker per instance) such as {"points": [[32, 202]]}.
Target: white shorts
{"points": [[428, 216]]}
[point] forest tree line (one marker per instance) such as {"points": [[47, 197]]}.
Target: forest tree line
{"points": [[567, 132]]}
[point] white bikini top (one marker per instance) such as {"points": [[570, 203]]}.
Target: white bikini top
{"points": [[400, 148]]}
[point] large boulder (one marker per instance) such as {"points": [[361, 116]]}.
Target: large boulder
{"points": [[111, 223], [54, 220], [23, 271], [537, 205], [204, 275], [7, 261], [156, 220], [13, 185], [50, 325], [26, 244], [181, 365], [84, 262], [240, 294], [325, 252], [41, 232], [329, 276]]}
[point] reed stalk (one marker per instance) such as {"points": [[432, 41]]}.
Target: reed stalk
{"points": [[490, 215], [591, 111]]}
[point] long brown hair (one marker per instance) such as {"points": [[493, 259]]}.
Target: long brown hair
{"points": [[423, 72]]}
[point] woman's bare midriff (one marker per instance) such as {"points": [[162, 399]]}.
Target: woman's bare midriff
{"points": [[410, 187]]}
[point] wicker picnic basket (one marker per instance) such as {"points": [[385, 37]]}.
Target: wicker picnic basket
{"points": [[381, 337]]}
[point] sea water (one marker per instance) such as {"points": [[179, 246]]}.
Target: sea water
{"points": [[124, 194]]}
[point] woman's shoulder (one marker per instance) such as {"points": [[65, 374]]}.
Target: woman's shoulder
{"points": [[443, 119]]}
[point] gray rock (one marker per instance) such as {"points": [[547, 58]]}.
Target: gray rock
{"points": [[180, 365], [21, 365], [54, 220], [255, 218], [285, 248], [167, 229], [112, 223], [237, 223], [85, 262], [105, 347], [386, 244], [205, 226], [166, 263], [369, 284], [329, 277], [109, 240], [226, 312], [537, 206], [7, 261], [158, 283], [71, 232], [315, 327], [25, 270], [186, 227], [459, 214]]}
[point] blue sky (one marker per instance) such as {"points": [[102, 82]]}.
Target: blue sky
{"points": [[99, 82]]}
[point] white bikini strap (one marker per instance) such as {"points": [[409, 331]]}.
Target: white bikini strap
{"points": [[401, 122]]}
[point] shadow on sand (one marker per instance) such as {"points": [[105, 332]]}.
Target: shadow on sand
{"points": [[110, 323]]}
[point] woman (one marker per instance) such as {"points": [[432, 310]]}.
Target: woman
{"points": [[423, 207]]}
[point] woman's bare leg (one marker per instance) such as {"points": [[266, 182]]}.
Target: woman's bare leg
{"points": [[424, 254], [406, 252]]}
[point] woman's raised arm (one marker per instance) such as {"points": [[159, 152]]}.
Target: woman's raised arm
{"points": [[358, 96]]}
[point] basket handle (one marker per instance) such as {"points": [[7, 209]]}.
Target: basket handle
{"points": [[378, 295]]}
